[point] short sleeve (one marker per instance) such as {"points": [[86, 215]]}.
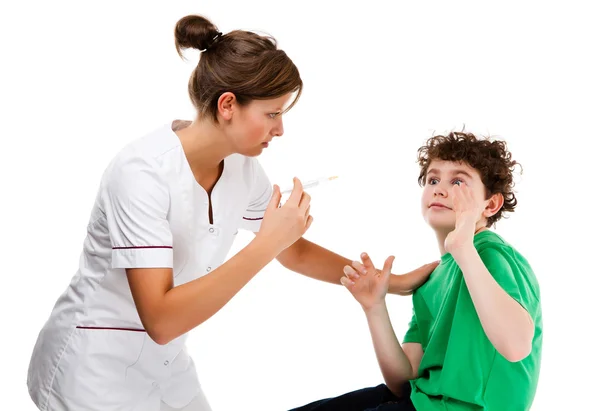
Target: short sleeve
{"points": [[136, 203], [513, 276], [412, 335], [261, 193]]}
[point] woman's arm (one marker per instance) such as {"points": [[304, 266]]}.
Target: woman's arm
{"points": [[316, 262], [168, 312]]}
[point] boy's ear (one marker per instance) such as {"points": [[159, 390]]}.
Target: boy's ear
{"points": [[495, 203]]}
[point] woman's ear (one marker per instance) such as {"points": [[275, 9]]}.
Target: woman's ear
{"points": [[226, 105]]}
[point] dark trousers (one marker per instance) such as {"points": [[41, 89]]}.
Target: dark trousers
{"points": [[378, 398]]}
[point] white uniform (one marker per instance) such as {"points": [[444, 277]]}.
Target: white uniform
{"points": [[93, 354]]}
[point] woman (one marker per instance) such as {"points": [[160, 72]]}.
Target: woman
{"points": [[166, 214]]}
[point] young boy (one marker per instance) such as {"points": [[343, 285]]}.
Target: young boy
{"points": [[475, 338]]}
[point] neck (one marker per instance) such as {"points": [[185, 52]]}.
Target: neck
{"points": [[441, 239], [204, 145], [441, 235]]}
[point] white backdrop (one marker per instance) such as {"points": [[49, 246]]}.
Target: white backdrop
{"points": [[79, 80]]}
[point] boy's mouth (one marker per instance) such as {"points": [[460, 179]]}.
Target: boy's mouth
{"points": [[439, 206]]}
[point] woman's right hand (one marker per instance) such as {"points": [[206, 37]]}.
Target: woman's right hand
{"points": [[283, 225]]}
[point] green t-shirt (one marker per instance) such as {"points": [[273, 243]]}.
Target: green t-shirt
{"points": [[461, 369]]}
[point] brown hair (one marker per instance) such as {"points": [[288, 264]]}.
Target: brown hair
{"points": [[242, 62], [490, 158]]}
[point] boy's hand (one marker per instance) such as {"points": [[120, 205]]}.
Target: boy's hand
{"points": [[468, 212], [367, 284]]}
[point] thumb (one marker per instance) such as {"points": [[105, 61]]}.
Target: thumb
{"points": [[387, 266], [275, 198]]}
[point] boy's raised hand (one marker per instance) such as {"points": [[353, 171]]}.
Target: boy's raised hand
{"points": [[368, 285], [468, 212]]}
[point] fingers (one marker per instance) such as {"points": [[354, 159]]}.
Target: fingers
{"points": [[347, 283], [430, 266], [387, 265], [275, 198], [305, 205], [455, 196], [304, 201], [462, 191], [307, 214], [417, 277], [359, 267], [297, 192], [367, 262], [351, 273], [308, 222], [459, 198]]}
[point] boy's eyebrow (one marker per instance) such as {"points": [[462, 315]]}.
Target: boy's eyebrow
{"points": [[463, 172], [454, 172]]}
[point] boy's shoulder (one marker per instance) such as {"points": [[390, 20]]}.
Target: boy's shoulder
{"points": [[498, 253], [490, 240]]}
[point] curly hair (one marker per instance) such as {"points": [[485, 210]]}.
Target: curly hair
{"points": [[490, 158]]}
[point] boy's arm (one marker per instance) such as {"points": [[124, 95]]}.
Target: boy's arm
{"points": [[398, 364], [369, 289], [506, 323], [414, 352]]}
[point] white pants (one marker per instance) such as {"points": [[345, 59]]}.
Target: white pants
{"points": [[198, 404]]}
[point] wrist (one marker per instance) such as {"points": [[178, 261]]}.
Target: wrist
{"points": [[262, 245], [376, 309]]}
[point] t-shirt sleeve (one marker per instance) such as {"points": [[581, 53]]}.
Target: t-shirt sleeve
{"points": [[412, 335], [512, 276], [261, 192], [136, 203]]}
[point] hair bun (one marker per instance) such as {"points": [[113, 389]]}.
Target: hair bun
{"points": [[194, 32]]}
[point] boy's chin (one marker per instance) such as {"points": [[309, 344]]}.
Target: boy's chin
{"points": [[443, 228]]}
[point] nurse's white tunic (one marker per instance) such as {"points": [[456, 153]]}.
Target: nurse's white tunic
{"points": [[93, 354]]}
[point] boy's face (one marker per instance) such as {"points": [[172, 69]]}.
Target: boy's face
{"points": [[436, 202]]}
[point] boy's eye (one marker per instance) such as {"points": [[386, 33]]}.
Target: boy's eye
{"points": [[457, 182], [433, 181]]}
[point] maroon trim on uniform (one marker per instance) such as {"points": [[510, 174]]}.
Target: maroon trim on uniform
{"points": [[142, 246], [111, 328], [253, 219]]}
